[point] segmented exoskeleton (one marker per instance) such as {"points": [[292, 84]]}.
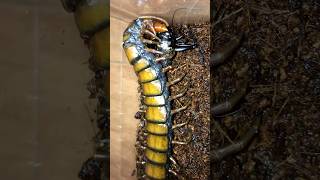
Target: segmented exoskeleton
{"points": [[92, 19], [150, 45]]}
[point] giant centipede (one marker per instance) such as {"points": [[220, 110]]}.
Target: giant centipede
{"points": [[149, 44]]}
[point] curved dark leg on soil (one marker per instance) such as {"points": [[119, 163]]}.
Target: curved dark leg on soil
{"points": [[238, 145], [220, 57], [228, 105]]}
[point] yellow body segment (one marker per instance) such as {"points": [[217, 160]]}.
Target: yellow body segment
{"points": [[140, 64], [152, 88], [99, 48], [154, 171], [156, 114], [147, 75], [157, 128], [91, 16], [154, 100], [156, 157], [131, 53], [156, 142]]}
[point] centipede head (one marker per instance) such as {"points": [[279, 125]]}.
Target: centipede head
{"points": [[160, 27], [166, 44], [164, 33]]}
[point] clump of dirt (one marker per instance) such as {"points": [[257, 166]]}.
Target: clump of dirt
{"points": [[193, 159], [281, 52]]}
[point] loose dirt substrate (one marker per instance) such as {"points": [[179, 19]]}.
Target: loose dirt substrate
{"points": [[282, 51]]}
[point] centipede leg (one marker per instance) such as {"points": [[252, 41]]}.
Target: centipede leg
{"points": [[173, 161], [220, 57], [179, 109], [173, 172], [150, 26], [164, 58], [179, 125], [179, 142], [178, 95], [177, 167], [147, 41], [176, 80], [166, 69], [226, 106], [154, 51], [178, 39], [238, 145], [151, 34]]}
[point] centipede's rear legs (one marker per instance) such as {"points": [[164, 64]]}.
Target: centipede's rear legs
{"points": [[220, 57], [226, 106], [238, 145]]}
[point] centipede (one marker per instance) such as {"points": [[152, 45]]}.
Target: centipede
{"points": [[92, 20], [150, 45]]}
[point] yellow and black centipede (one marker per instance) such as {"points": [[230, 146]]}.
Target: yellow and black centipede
{"points": [[149, 44]]}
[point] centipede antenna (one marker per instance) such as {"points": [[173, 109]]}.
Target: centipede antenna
{"points": [[172, 21]]}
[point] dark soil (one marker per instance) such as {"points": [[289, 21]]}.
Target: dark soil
{"points": [[280, 58], [193, 158]]}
